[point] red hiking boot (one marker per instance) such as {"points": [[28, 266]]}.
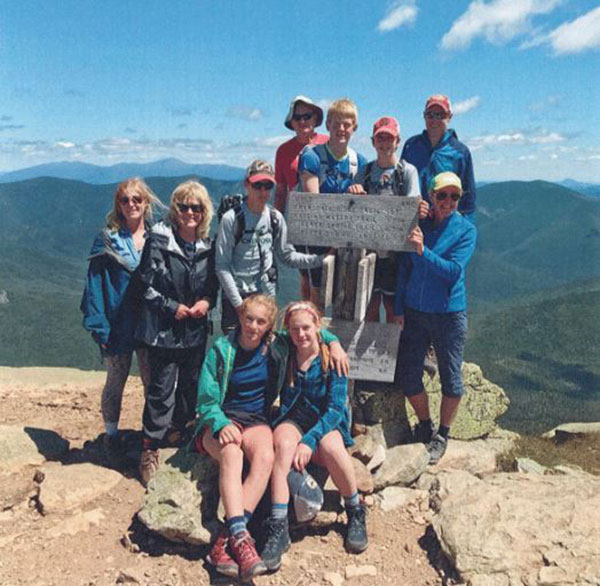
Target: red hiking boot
{"points": [[244, 552], [219, 557]]}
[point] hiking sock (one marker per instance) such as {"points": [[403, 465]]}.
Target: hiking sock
{"points": [[236, 525], [425, 421], [444, 430], [248, 515], [351, 501], [279, 510], [111, 427]]}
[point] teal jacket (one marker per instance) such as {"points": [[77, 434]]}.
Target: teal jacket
{"points": [[213, 383]]}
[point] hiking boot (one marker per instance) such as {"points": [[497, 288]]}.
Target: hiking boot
{"points": [[356, 533], [278, 542], [148, 465], [244, 553], [437, 448], [424, 432], [219, 557]]}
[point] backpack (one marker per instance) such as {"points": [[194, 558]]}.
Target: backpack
{"points": [[235, 201], [398, 186], [324, 170]]}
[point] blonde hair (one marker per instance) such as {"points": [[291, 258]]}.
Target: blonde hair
{"points": [[266, 301], [191, 192], [343, 107], [115, 219], [316, 316]]}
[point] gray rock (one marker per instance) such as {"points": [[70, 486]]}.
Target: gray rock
{"points": [[402, 466], [66, 488], [386, 435], [21, 447], [508, 529], [394, 497], [567, 431], [529, 466], [182, 500]]}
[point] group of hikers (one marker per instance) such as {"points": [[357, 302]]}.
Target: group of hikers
{"points": [[276, 400]]}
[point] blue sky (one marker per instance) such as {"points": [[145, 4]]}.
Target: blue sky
{"points": [[210, 82]]}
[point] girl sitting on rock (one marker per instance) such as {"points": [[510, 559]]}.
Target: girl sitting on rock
{"points": [[242, 375], [313, 424]]}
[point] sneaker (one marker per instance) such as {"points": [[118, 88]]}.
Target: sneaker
{"points": [[278, 542], [219, 556], [424, 432], [148, 465], [356, 534], [437, 448], [245, 554]]}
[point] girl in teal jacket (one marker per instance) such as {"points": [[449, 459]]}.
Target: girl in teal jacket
{"points": [[242, 375]]}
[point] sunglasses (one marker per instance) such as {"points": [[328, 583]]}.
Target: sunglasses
{"points": [[124, 200], [442, 195], [435, 115], [263, 185], [195, 207], [303, 117]]}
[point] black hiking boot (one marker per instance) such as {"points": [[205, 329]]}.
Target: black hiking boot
{"points": [[277, 543], [437, 448], [356, 533], [424, 432]]}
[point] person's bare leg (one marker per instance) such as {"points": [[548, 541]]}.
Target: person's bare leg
{"points": [[257, 445], [285, 439], [448, 410], [372, 313], [332, 454], [315, 295], [304, 287], [388, 304], [420, 403]]}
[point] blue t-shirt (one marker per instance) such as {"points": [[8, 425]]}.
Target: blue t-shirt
{"points": [[337, 177], [248, 382]]}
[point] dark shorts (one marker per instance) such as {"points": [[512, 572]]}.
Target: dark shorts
{"points": [[303, 418], [240, 419], [313, 275], [447, 332], [385, 276]]}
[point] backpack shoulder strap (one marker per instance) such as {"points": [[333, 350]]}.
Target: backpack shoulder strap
{"points": [[367, 179], [399, 186], [240, 222]]}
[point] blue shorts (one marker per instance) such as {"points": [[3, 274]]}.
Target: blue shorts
{"points": [[447, 332], [385, 276]]}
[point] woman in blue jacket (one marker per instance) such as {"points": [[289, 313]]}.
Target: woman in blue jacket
{"points": [[431, 305], [108, 306]]}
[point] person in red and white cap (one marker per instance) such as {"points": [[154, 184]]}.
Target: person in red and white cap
{"points": [[437, 149], [387, 175]]}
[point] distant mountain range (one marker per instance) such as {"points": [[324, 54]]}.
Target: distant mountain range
{"points": [[536, 241], [591, 189], [98, 175]]}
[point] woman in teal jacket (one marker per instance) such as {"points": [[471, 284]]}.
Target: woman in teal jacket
{"points": [[242, 375], [109, 308]]}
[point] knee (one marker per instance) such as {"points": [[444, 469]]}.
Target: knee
{"points": [[264, 459], [284, 448]]}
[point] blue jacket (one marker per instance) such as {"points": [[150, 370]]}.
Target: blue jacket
{"points": [[435, 281], [326, 394], [448, 155], [108, 305]]}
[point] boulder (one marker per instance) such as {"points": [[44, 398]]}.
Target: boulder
{"points": [[66, 488], [568, 431], [394, 497], [182, 500], [530, 466], [21, 447], [402, 466], [514, 529], [376, 436], [384, 405]]}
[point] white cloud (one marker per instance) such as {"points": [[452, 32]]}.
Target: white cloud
{"points": [[398, 14], [497, 21], [245, 113], [64, 144], [547, 102], [538, 136], [466, 105], [547, 138], [577, 36], [527, 158]]}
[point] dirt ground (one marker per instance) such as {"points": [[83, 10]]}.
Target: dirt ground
{"points": [[106, 544]]}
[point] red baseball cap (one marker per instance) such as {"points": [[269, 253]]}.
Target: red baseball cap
{"points": [[439, 100], [388, 125], [260, 171]]}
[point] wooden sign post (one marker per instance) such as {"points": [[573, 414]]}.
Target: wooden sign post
{"points": [[353, 223]]}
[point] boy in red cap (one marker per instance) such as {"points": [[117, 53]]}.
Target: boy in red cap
{"points": [[386, 175]]}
